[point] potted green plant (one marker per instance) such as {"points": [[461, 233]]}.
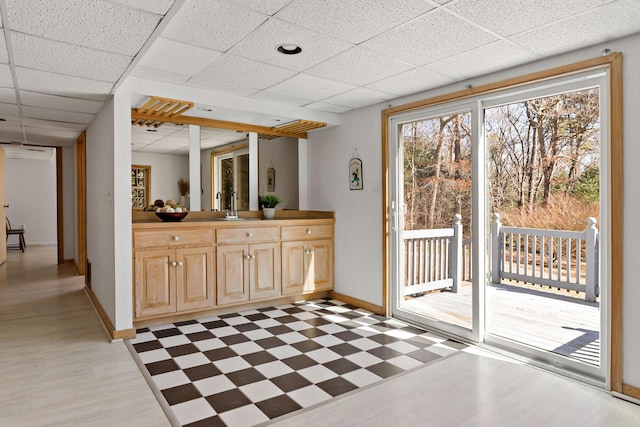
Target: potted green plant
{"points": [[268, 203]]}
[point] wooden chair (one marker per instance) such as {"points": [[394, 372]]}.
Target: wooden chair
{"points": [[16, 231]]}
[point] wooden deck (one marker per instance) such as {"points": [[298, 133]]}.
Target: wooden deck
{"points": [[556, 321]]}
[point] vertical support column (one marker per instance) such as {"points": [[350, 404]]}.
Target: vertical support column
{"points": [[496, 248], [455, 257], [303, 203], [253, 171], [590, 237], [195, 186]]}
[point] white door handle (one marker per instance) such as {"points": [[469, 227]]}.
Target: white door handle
{"points": [[173, 263], [176, 238], [179, 263]]}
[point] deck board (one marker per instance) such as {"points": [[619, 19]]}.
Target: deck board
{"points": [[555, 321]]}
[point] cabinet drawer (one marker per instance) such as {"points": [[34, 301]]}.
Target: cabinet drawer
{"points": [[179, 237], [303, 232], [246, 235]]}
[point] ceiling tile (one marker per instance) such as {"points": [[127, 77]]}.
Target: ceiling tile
{"points": [[8, 110], [262, 45], [57, 115], [424, 41], [354, 21], [495, 56], [238, 71], [58, 84], [49, 124], [331, 108], [6, 79], [212, 24], [63, 58], [268, 7], [90, 23], [412, 81], [283, 98], [50, 136], [7, 95], [178, 57], [4, 56], [206, 83], [613, 21], [310, 87], [359, 97], [60, 102], [159, 7], [508, 17], [159, 75], [359, 66]]}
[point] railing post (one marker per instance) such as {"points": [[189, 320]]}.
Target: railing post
{"points": [[455, 257], [590, 238], [496, 248]]}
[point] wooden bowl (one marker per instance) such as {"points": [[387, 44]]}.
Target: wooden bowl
{"points": [[171, 216]]}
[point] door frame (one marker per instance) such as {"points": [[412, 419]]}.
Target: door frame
{"points": [[614, 63]]}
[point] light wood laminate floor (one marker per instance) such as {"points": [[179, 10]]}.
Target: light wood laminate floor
{"points": [[57, 368], [56, 365]]}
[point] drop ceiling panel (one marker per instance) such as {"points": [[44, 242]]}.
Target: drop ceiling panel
{"points": [[59, 102], [58, 84], [159, 75], [262, 44], [48, 124], [282, 98], [57, 115], [359, 66], [50, 137], [4, 55], [8, 110], [6, 80], [206, 83], [354, 21], [268, 7], [7, 95], [331, 108], [488, 58], [90, 23], [159, 7], [508, 17], [412, 81], [238, 71], [615, 19], [213, 24], [424, 40], [63, 58], [178, 57], [359, 97], [310, 87]]}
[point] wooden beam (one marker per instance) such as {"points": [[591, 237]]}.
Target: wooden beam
{"points": [[220, 124]]}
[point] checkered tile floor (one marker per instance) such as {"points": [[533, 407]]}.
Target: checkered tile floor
{"points": [[250, 367]]}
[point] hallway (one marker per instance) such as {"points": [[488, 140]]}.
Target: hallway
{"points": [[57, 366]]}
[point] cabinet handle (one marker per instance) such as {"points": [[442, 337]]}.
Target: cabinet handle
{"points": [[249, 234], [253, 256], [247, 256], [179, 263], [176, 238], [173, 263], [308, 231]]}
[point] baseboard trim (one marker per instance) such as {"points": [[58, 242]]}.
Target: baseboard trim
{"points": [[112, 333], [357, 302], [631, 391]]}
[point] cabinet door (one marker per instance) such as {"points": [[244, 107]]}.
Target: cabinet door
{"points": [[194, 274], [264, 270], [154, 282], [293, 267], [320, 265], [232, 273]]}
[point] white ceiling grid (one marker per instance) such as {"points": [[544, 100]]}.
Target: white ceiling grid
{"points": [[61, 59]]}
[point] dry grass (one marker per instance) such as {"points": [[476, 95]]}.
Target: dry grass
{"points": [[563, 213]]}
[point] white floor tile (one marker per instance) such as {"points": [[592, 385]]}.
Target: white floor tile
{"points": [[284, 351], [261, 390], [154, 356], [210, 344], [191, 360], [193, 410], [309, 395], [323, 355], [317, 373], [363, 359], [213, 385], [327, 340], [257, 334], [267, 323], [405, 362], [364, 343], [361, 377], [170, 379], [292, 337], [174, 341], [245, 416], [231, 364], [274, 369], [403, 347], [189, 329], [246, 347]]}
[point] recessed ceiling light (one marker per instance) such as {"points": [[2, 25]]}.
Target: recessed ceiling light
{"points": [[289, 49], [2, 120], [206, 108], [152, 130]]}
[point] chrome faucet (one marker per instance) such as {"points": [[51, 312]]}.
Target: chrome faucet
{"points": [[232, 213], [219, 199]]}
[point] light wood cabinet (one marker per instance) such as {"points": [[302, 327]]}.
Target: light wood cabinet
{"points": [[247, 271], [307, 260], [175, 278]]}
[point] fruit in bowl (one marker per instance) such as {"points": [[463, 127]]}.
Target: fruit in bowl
{"points": [[171, 216]]}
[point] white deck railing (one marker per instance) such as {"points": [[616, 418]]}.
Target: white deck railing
{"points": [[440, 259]]}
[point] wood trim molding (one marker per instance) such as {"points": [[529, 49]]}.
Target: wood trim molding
{"points": [[631, 391], [60, 207], [112, 333], [81, 195], [376, 309], [614, 63]]}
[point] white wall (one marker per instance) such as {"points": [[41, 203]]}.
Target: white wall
{"points": [[100, 209], [358, 226], [166, 170], [282, 155], [31, 193]]}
